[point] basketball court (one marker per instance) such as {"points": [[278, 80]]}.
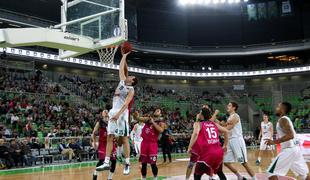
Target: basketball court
{"points": [[172, 171], [100, 26]]}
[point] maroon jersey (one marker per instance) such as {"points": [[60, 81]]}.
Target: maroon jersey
{"points": [[103, 141], [149, 145], [149, 133], [211, 153], [103, 132]]}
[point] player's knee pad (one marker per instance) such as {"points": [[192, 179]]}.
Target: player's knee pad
{"points": [[154, 169], [190, 165]]}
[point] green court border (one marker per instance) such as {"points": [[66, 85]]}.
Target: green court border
{"points": [[58, 167]]}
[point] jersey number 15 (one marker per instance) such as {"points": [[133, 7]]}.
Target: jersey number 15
{"points": [[211, 133]]}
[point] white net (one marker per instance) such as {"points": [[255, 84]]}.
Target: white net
{"points": [[106, 55]]}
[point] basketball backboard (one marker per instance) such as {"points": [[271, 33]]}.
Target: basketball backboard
{"points": [[86, 25]]}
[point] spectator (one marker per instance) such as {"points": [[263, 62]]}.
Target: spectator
{"points": [[5, 154], [14, 119], [65, 150], [28, 158], [16, 153], [166, 142], [77, 149]]}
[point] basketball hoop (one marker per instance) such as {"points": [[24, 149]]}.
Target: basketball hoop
{"points": [[106, 55]]}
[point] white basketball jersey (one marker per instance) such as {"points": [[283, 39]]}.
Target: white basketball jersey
{"points": [[236, 131], [265, 127], [137, 137], [281, 133], [120, 95]]}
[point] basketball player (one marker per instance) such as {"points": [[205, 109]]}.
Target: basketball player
{"points": [[102, 127], [290, 156], [194, 154], [149, 146], [236, 150], [206, 145], [266, 132], [118, 124], [135, 136]]}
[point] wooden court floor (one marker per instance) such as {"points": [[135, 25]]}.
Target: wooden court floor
{"points": [[175, 168]]}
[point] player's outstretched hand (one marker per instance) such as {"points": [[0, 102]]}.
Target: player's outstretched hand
{"points": [[123, 53]]}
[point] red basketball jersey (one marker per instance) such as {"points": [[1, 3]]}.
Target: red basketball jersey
{"points": [[149, 133], [208, 138], [103, 132]]}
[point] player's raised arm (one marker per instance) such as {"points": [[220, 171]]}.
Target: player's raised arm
{"points": [[123, 67], [231, 123], [160, 128], [213, 118], [194, 136]]}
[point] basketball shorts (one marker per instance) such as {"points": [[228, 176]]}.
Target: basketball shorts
{"points": [[264, 146], [194, 157], [119, 127], [102, 151], [236, 151], [149, 151], [210, 163], [288, 159]]}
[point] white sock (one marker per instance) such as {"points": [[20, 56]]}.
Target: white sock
{"points": [[110, 175], [95, 173], [107, 160], [253, 178], [155, 178], [259, 159], [127, 161], [143, 178]]}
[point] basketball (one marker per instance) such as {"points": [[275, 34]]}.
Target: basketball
{"points": [[126, 47]]}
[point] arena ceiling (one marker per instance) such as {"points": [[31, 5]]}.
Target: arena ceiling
{"points": [[166, 25]]}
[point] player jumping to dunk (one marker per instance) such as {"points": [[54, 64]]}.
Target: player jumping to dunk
{"points": [[119, 116]]}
